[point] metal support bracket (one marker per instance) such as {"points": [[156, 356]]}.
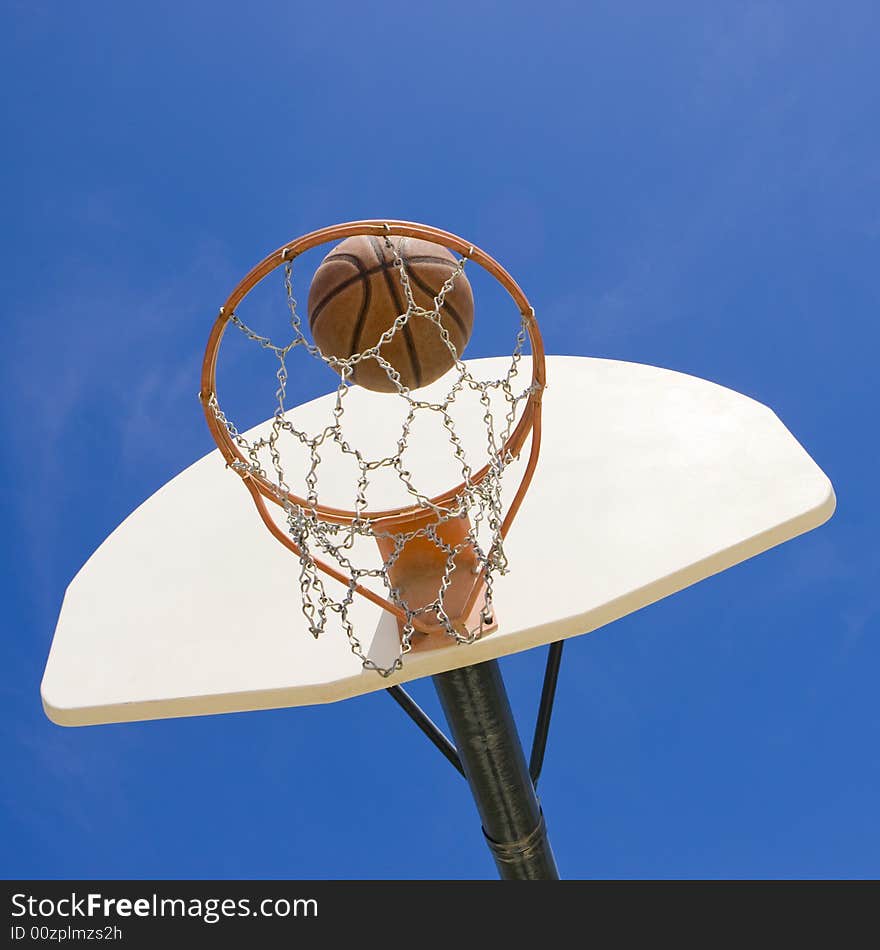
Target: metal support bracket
{"points": [[426, 724], [545, 711]]}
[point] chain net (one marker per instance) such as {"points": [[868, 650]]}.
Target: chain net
{"points": [[479, 499]]}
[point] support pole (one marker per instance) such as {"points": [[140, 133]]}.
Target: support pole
{"points": [[478, 712]]}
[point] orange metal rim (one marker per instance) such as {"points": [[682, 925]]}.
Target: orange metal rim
{"points": [[529, 422]]}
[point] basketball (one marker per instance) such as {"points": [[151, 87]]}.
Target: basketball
{"points": [[357, 294]]}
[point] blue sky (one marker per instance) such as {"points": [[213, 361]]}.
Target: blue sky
{"points": [[695, 186]]}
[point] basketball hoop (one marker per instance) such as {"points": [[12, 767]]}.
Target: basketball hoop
{"points": [[439, 555]]}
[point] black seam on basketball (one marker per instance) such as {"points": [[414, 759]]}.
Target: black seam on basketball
{"points": [[359, 323], [429, 259], [343, 256], [365, 273], [408, 259], [447, 306], [379, 251], [407, 331], [349, 259]]}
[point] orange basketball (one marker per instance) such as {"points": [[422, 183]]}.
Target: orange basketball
{"points": [[357, 294]]}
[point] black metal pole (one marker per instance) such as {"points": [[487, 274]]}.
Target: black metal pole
{"points": [[478, 712]]}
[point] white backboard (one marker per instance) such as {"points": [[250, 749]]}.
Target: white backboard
{"points": [[648, 481]]}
